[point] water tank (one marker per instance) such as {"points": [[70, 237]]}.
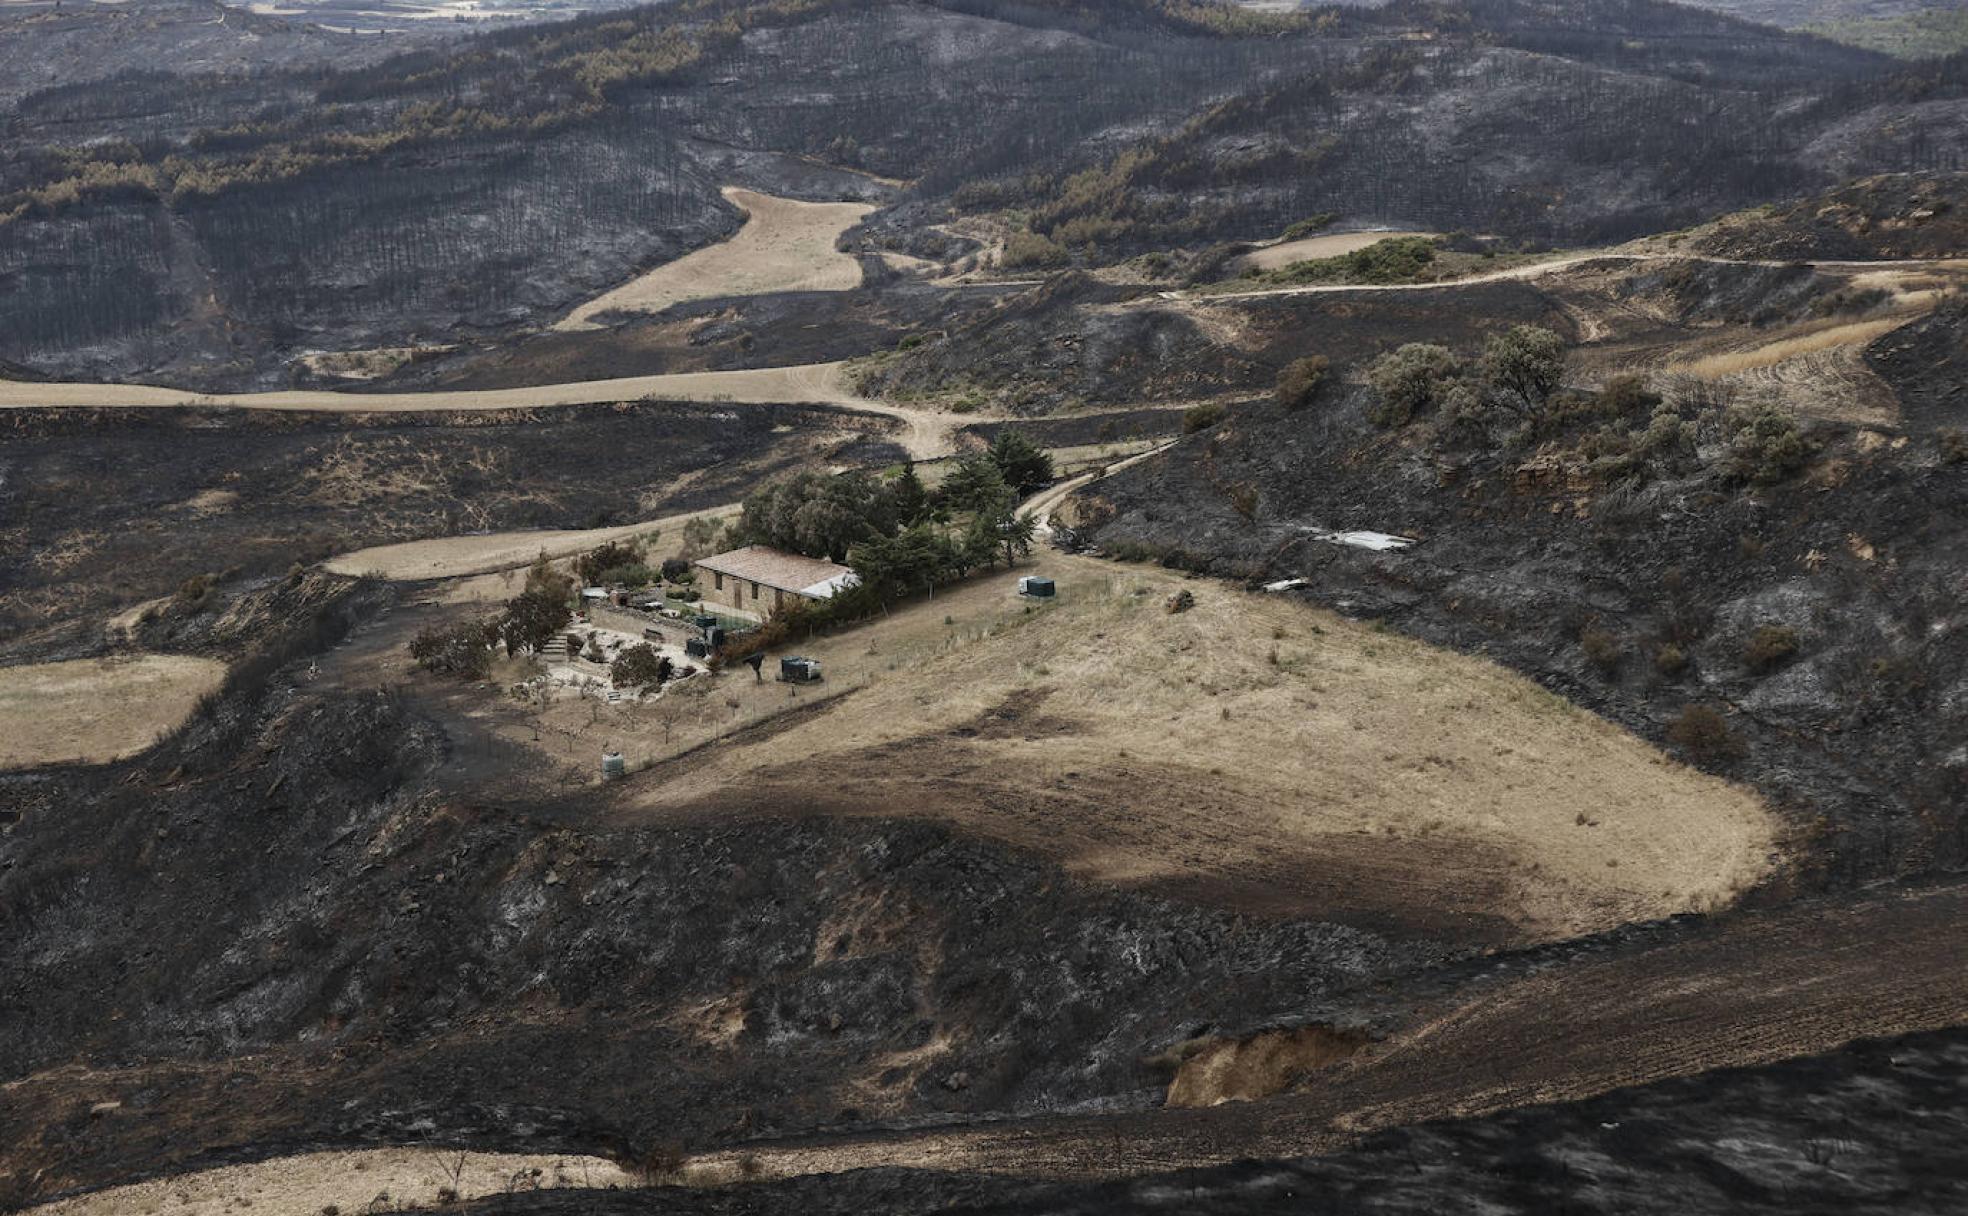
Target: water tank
{"points": [[613, 767]]}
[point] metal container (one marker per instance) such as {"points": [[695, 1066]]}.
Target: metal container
{"points": [[613, 767]]}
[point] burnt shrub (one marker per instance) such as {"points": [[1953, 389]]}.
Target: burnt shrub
{"points": [[1300, 381], [1770, 647], [194, 594], [1703, 733], [1627, 397], [1953, 445], [1201, 417], [1602, 649], [1243, 499], [1670, 660]]}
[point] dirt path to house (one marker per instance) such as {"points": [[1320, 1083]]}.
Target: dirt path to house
{"points": [[785, 245], [463, 556], [96, 710]]}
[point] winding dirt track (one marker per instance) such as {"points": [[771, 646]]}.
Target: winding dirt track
{"points": [[1539, 269]]}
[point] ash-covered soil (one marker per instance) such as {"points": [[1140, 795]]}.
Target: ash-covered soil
{"points": [[109, 508], [1927, 365], [1872, 1128], [783, 329], [1078, 341], [1894, 215]]}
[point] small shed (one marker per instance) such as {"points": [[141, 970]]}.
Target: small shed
{"points": [[795, 669]]}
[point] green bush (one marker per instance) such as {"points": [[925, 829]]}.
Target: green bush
{"points": [[1765, 445], [1526, 362], [1033, 250], [1399, 259], [596, 564], [1408, 380], [1310, 225], [640, 666], [634, 575]]}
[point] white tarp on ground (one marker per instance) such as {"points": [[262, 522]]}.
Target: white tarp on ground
{"points": [[1379, 542]]}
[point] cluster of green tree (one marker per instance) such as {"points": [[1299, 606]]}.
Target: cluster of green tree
{"points": [[1398, 259], [616, 564], [824, 515], [896, 533], [1518, 372], [529, 620], [1309, 226], [1511, 396]]}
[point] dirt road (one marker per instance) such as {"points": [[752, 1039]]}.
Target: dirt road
{"points": [[926, 434], [1540, 269], [463, 556]]}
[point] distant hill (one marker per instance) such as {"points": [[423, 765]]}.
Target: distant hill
{"points": [[207, 227], [45, 46]]}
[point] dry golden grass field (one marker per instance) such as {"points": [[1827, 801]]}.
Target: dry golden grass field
{"points": [[1252, 751], [361, 1180], [97, 709], [784, 246]]}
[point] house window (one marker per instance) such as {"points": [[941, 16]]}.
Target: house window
{"points": [[720, 581], [755, 593]]}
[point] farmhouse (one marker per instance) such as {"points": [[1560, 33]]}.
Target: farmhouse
{"points": [[755, 580]]}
